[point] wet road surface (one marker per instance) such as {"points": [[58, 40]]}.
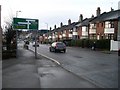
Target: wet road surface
{"points": [[95, 66], [28, 72]]}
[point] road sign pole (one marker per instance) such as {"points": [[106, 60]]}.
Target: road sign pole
{"points": [[36, 44], [16, 43]]}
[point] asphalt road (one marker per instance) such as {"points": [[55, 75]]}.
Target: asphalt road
{"points": [[100, 68]]}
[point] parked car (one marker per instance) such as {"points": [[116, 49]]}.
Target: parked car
{"points": [[57, 46], [26, 44], [37, 44]]}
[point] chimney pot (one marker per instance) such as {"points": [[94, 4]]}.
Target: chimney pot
{"points": [[50, 28], [112, 9], [98, 12], [61, 24], [55, 27], [80, 17], [92, 16], [69, 22]]}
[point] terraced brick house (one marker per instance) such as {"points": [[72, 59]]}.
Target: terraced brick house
{"points": [[83, 28], [62, 33], [105, 25]]}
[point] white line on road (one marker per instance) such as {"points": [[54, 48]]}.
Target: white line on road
{"points": [[50, 58]]}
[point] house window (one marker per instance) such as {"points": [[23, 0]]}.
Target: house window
{"points": [[93, 36], [112, 24], [65, 31], [92, 26], [109, 24], [110, 36]]}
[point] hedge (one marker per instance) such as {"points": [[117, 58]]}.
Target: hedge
{"points": [[100, 44], [6, 54]]}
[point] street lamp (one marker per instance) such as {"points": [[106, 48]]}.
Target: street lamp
{"points": [[17, 13], [47, 31]]}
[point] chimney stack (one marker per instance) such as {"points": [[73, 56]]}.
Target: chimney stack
{"points": [[112, 9], [80, 17], [50, 28], [98, 11], [55, 27], [61, 24], [92, 16], [69, 22]]}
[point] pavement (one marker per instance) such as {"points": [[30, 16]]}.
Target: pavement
{"points": [[27, 72], [20, 72]]}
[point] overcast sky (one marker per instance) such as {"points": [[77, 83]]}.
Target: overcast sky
{"points": [[51, 12]]}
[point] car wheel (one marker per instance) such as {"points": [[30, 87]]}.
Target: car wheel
{"points": [[55, 50], [50, 49], [119, 52], [64, 51]]}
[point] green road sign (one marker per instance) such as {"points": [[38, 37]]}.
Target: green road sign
{"points": [[23, 23]]}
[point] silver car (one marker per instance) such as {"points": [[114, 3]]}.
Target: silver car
{"points": [[57, 46]]}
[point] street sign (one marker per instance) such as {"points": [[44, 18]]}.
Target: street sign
{"points": [[23, 23]]}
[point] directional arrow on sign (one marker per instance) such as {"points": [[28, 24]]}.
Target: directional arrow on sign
{"points": [[28, 23]]}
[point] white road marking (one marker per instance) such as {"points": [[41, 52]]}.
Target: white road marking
{"points": [[50, 58]]}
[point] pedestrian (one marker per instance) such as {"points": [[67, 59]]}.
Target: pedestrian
{"points": [[94, 46]]}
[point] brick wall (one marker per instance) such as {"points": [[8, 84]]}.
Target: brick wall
{"points": [[79, 30], [100, 29]]}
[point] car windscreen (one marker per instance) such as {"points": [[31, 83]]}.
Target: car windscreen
{"points": [[60, 44]]}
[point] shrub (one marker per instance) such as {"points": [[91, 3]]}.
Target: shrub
{"points": [[100, 44], [103, 44]]}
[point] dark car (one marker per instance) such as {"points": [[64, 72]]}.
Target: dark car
{"points": [[26, 44], [57, 46]]}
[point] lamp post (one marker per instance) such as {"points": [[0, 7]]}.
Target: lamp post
{"points": [[47, 32], [17, 13]]}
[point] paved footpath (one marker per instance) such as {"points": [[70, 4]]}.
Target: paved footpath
{"points": [[28, 72]]}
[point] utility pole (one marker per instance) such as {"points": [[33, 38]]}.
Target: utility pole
{"points": [[0, 52], [118, 36], [0, 37], [47, 32], [118, 23]]}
